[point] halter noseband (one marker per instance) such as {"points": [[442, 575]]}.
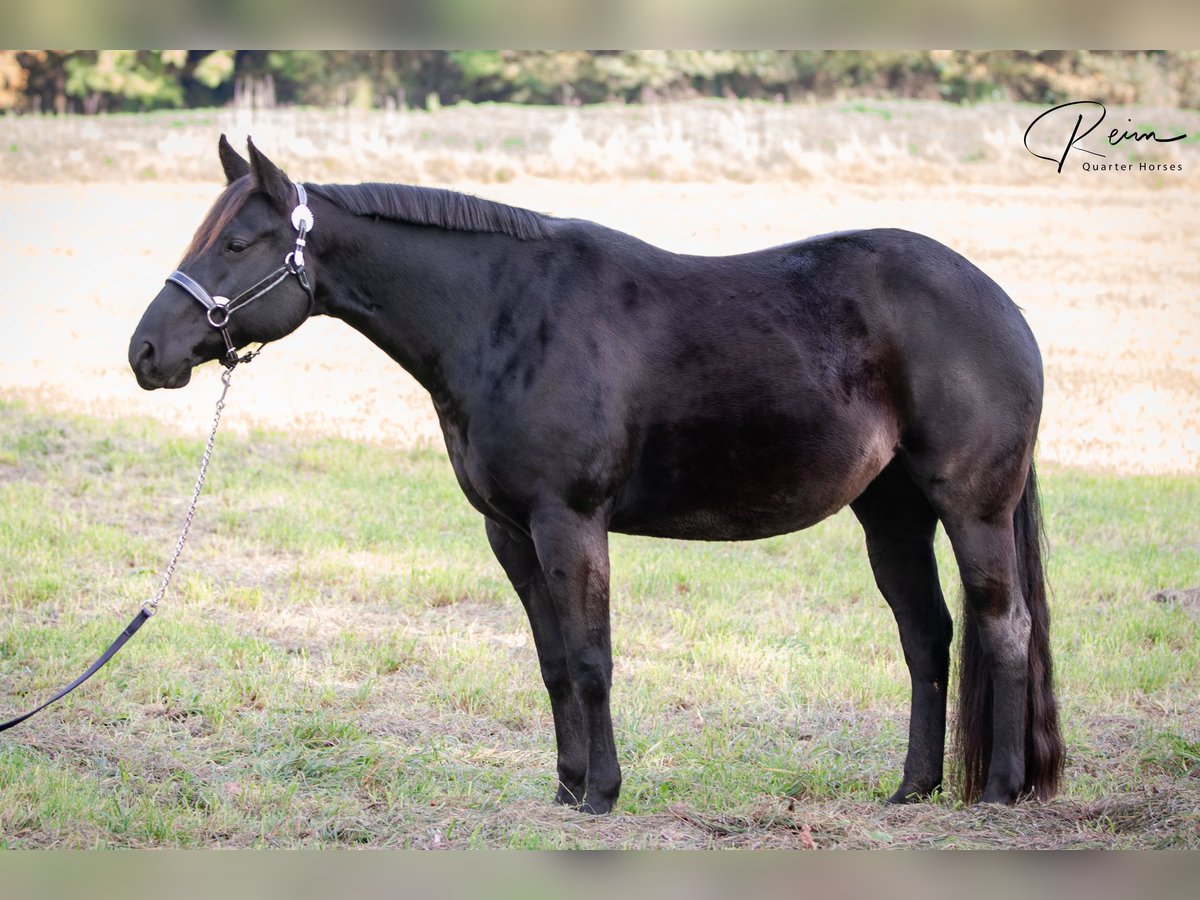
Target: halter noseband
{"points": [[219, 310]]}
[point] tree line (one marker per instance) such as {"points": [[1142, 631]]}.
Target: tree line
{"points": [[91, 81]]}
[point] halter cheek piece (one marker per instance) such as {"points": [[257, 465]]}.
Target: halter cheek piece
{"points": [[219, 310]]}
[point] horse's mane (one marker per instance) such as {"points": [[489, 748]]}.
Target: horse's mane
{"points": [[400, 202], [433, 206]]}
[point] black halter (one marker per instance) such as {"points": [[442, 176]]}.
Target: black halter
{"points": [[220, 309]]}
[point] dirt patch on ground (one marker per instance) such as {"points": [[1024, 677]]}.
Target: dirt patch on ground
{"points": [[1188, 600]]}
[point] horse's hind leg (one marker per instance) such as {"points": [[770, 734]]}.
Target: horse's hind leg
{"points": [[518, 558], [899, 524], [997, 626]]}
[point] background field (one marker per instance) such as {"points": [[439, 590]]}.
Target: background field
{"points": [[98, 210], [342, 662]]}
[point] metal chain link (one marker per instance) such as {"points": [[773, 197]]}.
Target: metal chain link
{"points": [[150, 607]]}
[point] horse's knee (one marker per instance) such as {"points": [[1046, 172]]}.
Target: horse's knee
{"points": [[556, 675], [591, 675], [927, 641]]}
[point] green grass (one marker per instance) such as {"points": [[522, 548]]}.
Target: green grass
{"points": [[341, 662]]}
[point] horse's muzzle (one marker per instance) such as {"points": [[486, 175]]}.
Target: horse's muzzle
{"points": [[150, 377]]}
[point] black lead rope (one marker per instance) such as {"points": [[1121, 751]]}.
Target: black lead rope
{"points": [[130, 630], [150, 607]]}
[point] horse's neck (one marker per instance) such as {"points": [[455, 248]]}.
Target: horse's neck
{"points": [[421, 294]]}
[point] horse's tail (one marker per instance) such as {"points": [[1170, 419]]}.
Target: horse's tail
{"points": [[1044, 749]]}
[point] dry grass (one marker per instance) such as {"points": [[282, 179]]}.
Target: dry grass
{"points": [[871, 142], [1149, 820]]}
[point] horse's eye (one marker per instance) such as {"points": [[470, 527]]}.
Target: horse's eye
{"points": [[236, 246]]}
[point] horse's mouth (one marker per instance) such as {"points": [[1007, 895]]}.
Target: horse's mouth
{"points": [[153, 381]]}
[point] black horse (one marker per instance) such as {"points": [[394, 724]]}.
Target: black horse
{"points": [[587, 382]]}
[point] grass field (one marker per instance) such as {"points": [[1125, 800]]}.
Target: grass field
{"points": [[341, 661]]}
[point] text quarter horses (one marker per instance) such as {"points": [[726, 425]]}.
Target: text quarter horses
{"points": [[587, 382]]}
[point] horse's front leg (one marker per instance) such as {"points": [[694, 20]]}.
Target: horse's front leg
{"points": [[573, 551], [518, 558]]}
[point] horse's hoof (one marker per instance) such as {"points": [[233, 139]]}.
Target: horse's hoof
{"points": [[568, 797], [905, 795], [597, 807], [998, 798]]}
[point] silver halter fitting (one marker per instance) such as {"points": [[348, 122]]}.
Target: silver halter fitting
{"points": [[302, 221], [219, 310]]}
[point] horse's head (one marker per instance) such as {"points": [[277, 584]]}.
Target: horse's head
{"points": [[243, 279]]}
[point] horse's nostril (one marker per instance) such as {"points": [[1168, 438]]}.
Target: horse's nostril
{"points": [[145, 356]]}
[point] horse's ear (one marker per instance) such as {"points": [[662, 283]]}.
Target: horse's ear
{"points": [[271, 179], [233, 164]]}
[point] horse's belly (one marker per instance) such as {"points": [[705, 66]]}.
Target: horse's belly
{"points": [[720, 482], [713, 522]]}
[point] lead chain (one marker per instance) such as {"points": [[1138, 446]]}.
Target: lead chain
{"points": [[150, 607]]}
